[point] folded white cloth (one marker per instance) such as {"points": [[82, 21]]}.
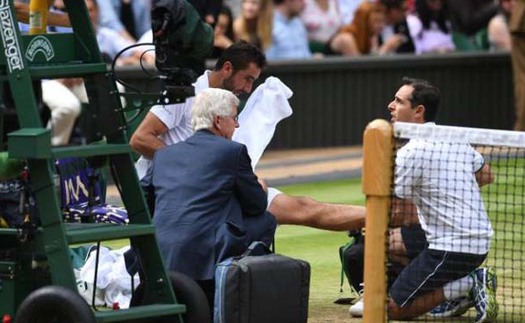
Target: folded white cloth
{"points": [[267, 105], [113, 280]]}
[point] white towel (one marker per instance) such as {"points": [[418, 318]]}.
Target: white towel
{"points": [[267, 105]]}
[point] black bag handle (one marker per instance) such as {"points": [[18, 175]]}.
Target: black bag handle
{"points": [[256, 248]]}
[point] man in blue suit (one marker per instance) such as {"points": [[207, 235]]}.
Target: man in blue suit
{"points": [[209, 204]]}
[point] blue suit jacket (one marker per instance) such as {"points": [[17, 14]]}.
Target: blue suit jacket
{"points": [[208, 203]]}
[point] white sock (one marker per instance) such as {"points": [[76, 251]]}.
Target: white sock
{"points": [[458, 287]]}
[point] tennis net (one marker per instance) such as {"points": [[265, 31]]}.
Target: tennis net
{"points": [[458, 191]]}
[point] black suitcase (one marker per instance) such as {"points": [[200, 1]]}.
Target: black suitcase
{"points": [[262, 289]]}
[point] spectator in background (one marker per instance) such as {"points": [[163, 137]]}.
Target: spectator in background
{"points": [[470, 19], [63, 102], [208, 9], [411, 6], [396, 26], [348, 8], [430, 27], [235, 6], [111, 42], [130, 18], [64, 97], [498, 29], [289, 36], [368, 23], [223, 32], [323, 21], [517, 32], [255, 23]]}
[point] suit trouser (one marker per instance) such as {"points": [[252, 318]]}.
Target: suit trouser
{"points": [[261, 228], [65, 106]]}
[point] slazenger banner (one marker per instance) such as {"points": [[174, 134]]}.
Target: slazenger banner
{"points": [[12, 50]]}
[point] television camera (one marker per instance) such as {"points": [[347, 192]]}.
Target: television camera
{"points": [[182, 43]]}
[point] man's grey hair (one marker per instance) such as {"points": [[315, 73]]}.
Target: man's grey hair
{"points": [[210, 103]]}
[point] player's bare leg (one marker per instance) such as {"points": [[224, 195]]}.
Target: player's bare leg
{"points": [[300, 210]]}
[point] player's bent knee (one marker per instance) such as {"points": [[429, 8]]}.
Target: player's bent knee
{"points": [[395, 312]]}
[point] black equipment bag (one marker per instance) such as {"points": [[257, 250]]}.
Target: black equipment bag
{"points": [[352, 257], [261, 289]]}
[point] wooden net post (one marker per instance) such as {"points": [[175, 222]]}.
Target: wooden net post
{"points": [[377, 184]]}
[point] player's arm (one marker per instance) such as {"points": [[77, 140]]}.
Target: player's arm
{"points": [[404, 212], [145, 139], [484, 176]]}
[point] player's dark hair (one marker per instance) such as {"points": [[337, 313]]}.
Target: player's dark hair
{"points": [[424, 94], [240, 55]]}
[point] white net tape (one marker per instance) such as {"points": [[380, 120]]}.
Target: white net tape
{"points": [[477, 136]]}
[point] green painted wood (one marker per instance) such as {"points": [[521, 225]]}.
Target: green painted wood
{"points": [[102, 232], [26, 58], [67, 70], [90, 150]]}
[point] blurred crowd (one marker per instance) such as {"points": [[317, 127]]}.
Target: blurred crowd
{"points": [[288, 29], [298, 29]]}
